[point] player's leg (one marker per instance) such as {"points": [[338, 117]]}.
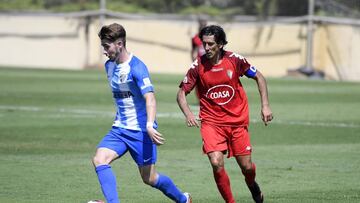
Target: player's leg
{"points": [[109, 149], [221, 177], [248, 169], [102, 159], [241, 148], [162, 183], [214, 144], [144, 153]]}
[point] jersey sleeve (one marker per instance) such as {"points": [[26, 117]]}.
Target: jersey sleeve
{"points": [[142, 78], [243, 66], [190, 78], [107, 66]]}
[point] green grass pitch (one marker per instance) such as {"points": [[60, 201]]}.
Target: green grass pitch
{"points": [[51, 121]]}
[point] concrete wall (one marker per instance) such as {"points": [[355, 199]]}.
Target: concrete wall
{"points": [[338, 54], [44, 42], [164, 45]]}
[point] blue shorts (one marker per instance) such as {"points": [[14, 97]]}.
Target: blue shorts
{"points": [[138, 143]]}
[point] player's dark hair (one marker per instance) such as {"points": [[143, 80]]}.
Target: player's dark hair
{"points": [[217, 31], [112, 33]]}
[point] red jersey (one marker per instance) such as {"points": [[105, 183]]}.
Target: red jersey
{"points": [[196, 42], [223, 100]]}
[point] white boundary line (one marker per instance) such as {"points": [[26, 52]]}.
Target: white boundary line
{"points": [[83, 113]]}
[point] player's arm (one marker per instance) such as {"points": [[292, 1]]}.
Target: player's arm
{"points": [[155, 136], [252, 72], [266, 113], [184, 106]]}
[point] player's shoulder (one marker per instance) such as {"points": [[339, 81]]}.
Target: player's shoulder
{"points": [[233, 55], [109, 64], [135, 61], [137, 66], [197, 62], [235, 58]]}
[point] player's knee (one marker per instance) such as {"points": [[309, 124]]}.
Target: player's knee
{"points": [[149, 180], [99, 160], [247, 167], [217, 164], [95, 160]]}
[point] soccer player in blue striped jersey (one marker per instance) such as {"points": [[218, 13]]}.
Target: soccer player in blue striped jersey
{"points": [[134, 127]]}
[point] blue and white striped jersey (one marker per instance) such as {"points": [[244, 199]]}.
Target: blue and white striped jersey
{"points": [[129, 81]]}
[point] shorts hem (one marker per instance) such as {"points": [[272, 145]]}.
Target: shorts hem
{"points": [[224, 151], [144, 164], [242, 154]]}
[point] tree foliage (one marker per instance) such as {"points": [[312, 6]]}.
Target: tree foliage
{"points": [[260, 8]]}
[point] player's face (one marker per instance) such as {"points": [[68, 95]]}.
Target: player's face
{"points": [[212, 49], [111, 49]]}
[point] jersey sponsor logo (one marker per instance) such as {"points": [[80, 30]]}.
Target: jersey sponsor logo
{"points": [[122, 94], [221, 94]]}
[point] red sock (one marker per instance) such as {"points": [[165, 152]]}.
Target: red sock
{"points": [[250, 175], [223, 184]]}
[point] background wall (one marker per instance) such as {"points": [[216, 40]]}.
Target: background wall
{"points": [[164, 45]]}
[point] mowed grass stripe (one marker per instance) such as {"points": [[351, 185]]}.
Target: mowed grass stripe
{"points": [[83, 113], [51, 122]]}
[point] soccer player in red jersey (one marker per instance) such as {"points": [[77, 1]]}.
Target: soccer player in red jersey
{"points": [[224, 113], [197, 48]]}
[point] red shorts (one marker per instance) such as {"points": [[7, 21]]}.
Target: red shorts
{"points": [[234, 140]]}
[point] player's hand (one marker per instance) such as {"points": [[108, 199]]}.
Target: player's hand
{"points": [[191, 121], [155, 136], [266, 114]]}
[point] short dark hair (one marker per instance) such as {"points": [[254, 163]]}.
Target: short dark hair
{"points": [[112, 32], [217, 31]]}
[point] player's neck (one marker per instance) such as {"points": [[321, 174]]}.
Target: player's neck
{"points": [[123, 56], [217, 59]]}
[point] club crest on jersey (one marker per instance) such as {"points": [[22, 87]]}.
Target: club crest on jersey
{"points": [[229, 73], [221, 94], [123, 78]]}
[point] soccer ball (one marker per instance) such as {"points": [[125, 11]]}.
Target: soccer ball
{"points": [[96, 201]]}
